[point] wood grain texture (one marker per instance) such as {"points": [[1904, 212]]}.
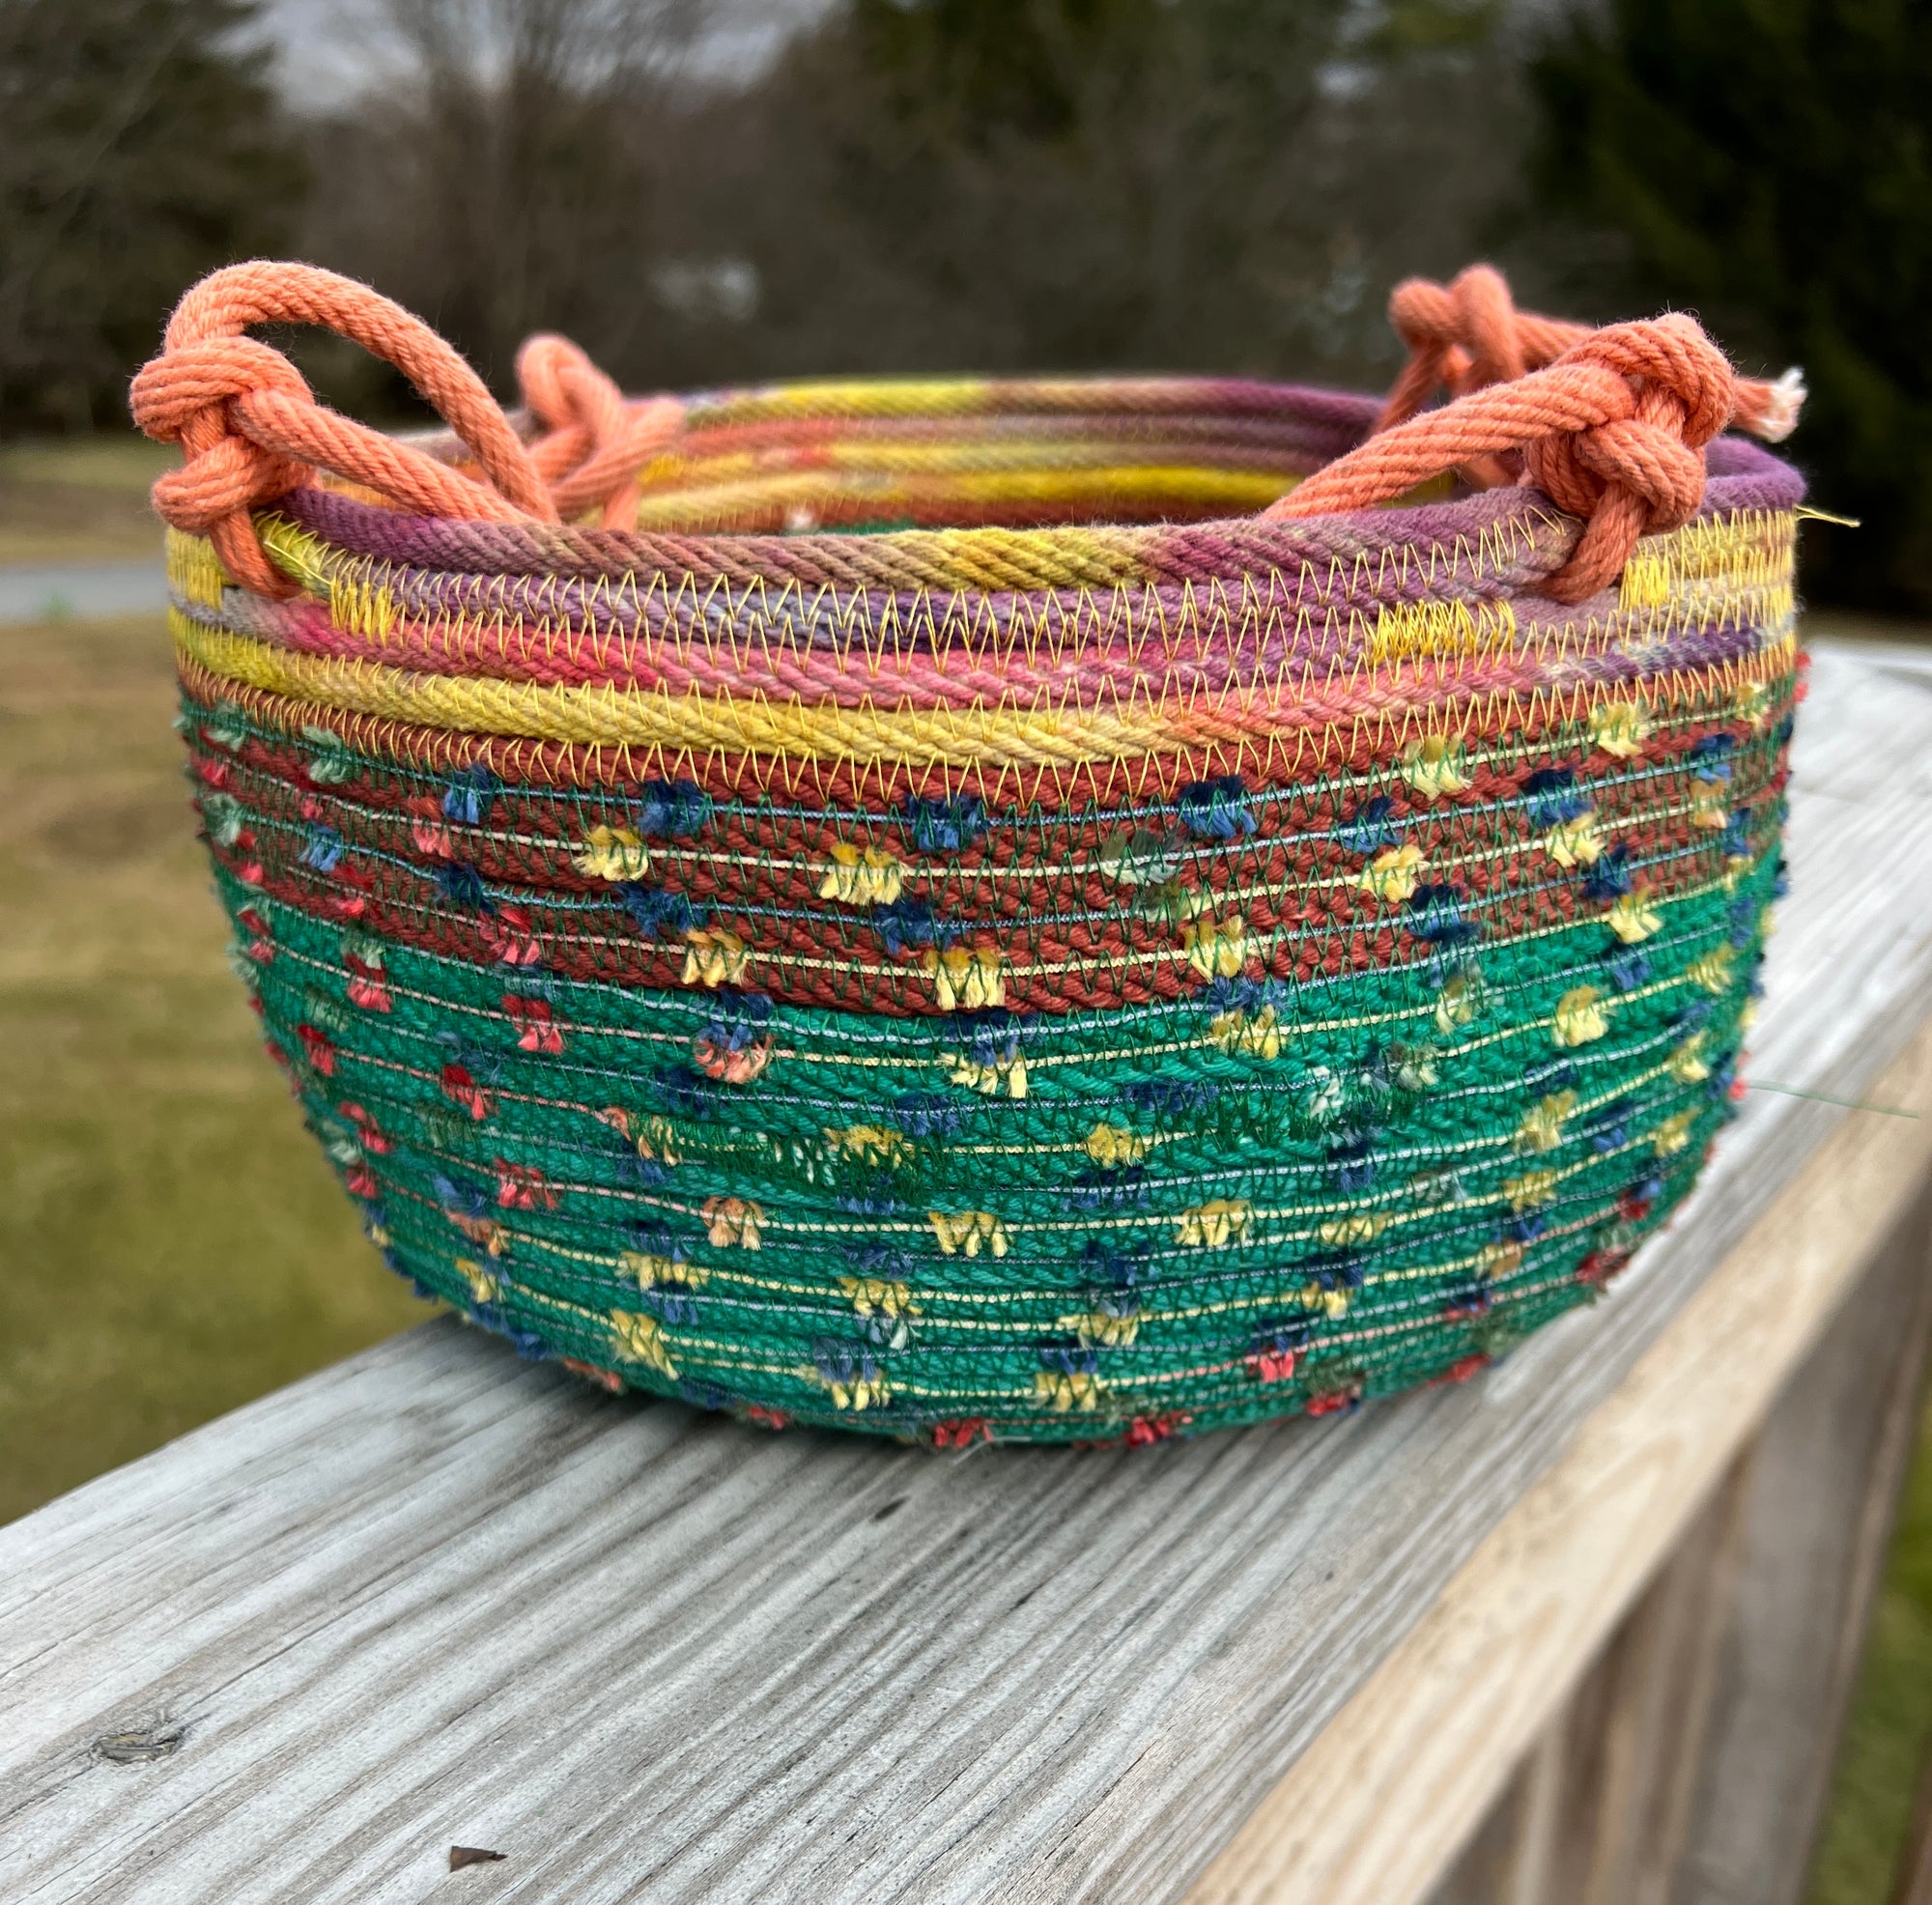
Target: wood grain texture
{"points": [[1374, 1812], [1823, 1490], [1594, 1813], [435, 1596]]}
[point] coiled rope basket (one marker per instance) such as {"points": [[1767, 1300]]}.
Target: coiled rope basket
{"points": [[1035, 911]]}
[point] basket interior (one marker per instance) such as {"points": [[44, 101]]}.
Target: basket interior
{"points": [[973, 454]]}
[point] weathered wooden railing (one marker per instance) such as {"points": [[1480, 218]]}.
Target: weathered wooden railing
{"points": [[1577, 1630]]}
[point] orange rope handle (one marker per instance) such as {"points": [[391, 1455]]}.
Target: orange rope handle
{"points": [[1614, 430], [595, 439], [1467, 333], [252, 431]]}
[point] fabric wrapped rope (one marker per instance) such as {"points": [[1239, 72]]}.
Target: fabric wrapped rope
{"points": [[1066, 910]]}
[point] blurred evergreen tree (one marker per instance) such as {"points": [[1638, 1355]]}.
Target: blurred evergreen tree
{"points": [[140, 146], [1768, 164]]}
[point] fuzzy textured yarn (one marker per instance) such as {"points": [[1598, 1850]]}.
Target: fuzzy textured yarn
{"points": [[1038, 910]]}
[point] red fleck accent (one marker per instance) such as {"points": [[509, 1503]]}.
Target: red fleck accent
{"points": [[768, 1418], [319, 1047], [367, 1130], [963, 1434], [729, 1068], [522, 1187], [1601, 1266], [1462, 1371], [507, 935], [540, 1033], [1336, 1402], [604, 1378], [429, 831], [1144, 1429], [460, 1087], [1275, 1365]]}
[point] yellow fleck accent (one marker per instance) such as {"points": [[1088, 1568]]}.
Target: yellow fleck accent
{"points": [[1575, 842], [651, 1270], [1215, 1225], [1686, 1063], [1713, 971], [1634, 918], [966, 1233], [1500, 1258], [1457, 1004], [966, 977], [1541, 1126], [856, 1396], [1391, 875], [1216, 949], [871, 1143], [862, 877], [1580, 1016], [1240, 1035], [1332, 1303], [715, 956], [1115, 1144], [996, 1078], [1101, 1330], [1532, 1187], [1619, 728], [879, 1296], [1363, 1227], [641, 1340], [1067, 1392], [612, 853], [483, 1283], [1673, 1134], [1433, 764]]}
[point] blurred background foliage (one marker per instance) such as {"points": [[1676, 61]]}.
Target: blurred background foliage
{"points": [[926, 184]]}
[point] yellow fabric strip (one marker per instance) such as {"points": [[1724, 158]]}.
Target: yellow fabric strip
{"points": [[604, 716]]}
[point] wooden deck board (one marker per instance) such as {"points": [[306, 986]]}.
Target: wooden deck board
{"points": [[437, 1596]]}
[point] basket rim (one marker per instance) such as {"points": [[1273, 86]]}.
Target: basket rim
{"points": [[1743, 475]]}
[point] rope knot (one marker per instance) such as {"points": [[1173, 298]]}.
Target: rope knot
{"points": [[595, 440], [183, 397], [1665, 391], [251, 430], [1461, 336], [1610, 424]]}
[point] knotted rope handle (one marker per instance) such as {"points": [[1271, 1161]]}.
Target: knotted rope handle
{"points": [[1611, 424], [252, 431]]}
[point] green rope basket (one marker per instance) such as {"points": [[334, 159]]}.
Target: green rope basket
{"points": [[951, 924]]}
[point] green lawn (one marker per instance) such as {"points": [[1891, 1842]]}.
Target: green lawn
{"points": [[171, 1243], [80, 501]]}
